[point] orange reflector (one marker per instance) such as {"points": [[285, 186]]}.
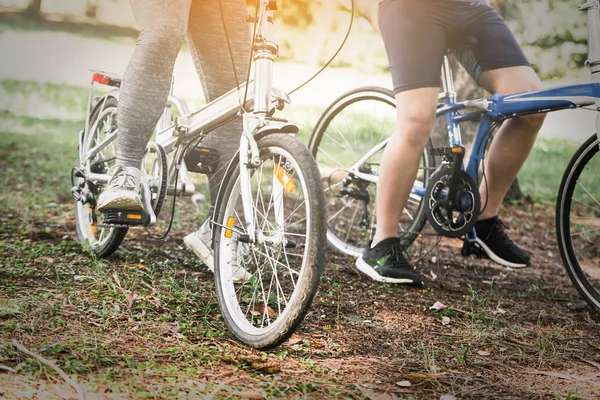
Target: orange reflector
{"points": [[457, 149], [134, 216], [94, 229], [230, 224], [284, 178]]}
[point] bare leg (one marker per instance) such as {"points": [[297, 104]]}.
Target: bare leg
{"points": [[514, 140], [416, 116]]}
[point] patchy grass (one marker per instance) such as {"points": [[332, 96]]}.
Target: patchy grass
{"points": [[145, 323]]}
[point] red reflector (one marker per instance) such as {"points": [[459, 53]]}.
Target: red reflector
{"points": [[99, 78]]}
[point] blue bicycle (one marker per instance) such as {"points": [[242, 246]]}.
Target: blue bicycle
{"points": [[350, 136]]}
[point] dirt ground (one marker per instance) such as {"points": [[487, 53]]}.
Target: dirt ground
{"points": [[145, 324]]}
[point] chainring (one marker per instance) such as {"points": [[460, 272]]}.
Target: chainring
{"points": [[154, 165], [460, 219]]}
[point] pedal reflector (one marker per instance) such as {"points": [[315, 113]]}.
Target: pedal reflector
{"points": [[134, 216], [230, 224], [284, 178]]}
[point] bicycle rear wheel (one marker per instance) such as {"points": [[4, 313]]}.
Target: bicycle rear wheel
{"points": [[348, 144], [285, 262], [578, 221], [102, 241]]}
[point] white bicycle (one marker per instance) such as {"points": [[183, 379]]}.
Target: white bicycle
{"points": [[269, 216]]}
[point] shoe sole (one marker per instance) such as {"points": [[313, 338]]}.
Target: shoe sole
{"points": [[194, 243], [122, 203], [497, 259], [366, 269]]}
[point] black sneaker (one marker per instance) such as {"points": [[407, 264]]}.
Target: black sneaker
{"points": [[495, 243], [386, 263]]}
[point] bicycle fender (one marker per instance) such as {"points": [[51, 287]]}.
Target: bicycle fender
{"points": [[276, 127], [114, 93]]}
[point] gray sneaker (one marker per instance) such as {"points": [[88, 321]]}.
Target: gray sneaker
{"points": [[122, 191], [200, 243]]}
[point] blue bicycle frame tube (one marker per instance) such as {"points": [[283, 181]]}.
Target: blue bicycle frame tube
{"points": [[503, 107]]}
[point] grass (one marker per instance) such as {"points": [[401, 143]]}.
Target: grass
{"points": [[146, 323]]}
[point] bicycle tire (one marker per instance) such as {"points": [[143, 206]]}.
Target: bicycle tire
{"points": [[86, 230], [312, 250], [351, 245], [567, 220]]}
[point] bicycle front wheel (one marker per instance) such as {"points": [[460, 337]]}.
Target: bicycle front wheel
{"points": [[578, 221], [348, 143], [266, 284]]}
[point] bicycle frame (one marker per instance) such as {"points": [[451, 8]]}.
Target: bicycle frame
{"points": [[191, 127]]}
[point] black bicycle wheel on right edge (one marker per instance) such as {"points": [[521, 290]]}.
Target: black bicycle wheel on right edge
{"points": [[266, 284], [347, 144], [578, 221]]}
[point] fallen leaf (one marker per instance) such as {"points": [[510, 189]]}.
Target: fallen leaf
{"points": [[499, 311], [434, 260], [447, 397], [433, 276], [403, 384], [438, 306], [483, 353], [248, 395], [128, 297], [259, 309], [294, 339], [445, 320]]}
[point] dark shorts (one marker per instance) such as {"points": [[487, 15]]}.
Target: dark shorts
{"points": [[417, 34]]}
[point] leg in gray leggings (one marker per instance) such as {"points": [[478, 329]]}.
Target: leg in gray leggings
{"points": [[208, 45], [147, 80]]}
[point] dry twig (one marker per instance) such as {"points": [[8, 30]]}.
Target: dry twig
{"points": [[78, 389]]}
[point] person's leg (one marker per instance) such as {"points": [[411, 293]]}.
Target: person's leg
{"points": [[514, 139], [207, 40], [144, 92], [415, 119], [505, 71], [147, 79], [415, 41]]}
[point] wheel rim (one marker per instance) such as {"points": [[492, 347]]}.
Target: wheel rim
{"points": [[105, 124], [260, 304], [353, 128], [580, 223]]}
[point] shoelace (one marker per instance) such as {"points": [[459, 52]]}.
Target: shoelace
{"points": [[398, 254], [498, 227], [121, 179]]}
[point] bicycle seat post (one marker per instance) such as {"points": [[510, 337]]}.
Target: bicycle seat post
{"points": [[448, 80], [449, 96]]}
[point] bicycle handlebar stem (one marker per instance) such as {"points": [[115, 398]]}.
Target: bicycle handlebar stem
{"points": [[265, 52], [592, 7]]}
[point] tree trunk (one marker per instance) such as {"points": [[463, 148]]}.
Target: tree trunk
{"points": [[34, 9], [91, 8]]}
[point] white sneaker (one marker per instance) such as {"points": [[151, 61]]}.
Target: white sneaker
{"points": [[200, 243], [122, 191]]}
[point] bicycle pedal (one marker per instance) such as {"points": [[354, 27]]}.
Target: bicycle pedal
{"points": [[128, 218], [201, 159], [473, 249]]}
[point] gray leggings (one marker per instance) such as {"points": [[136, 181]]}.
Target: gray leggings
{"points": [[147, 80]]}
